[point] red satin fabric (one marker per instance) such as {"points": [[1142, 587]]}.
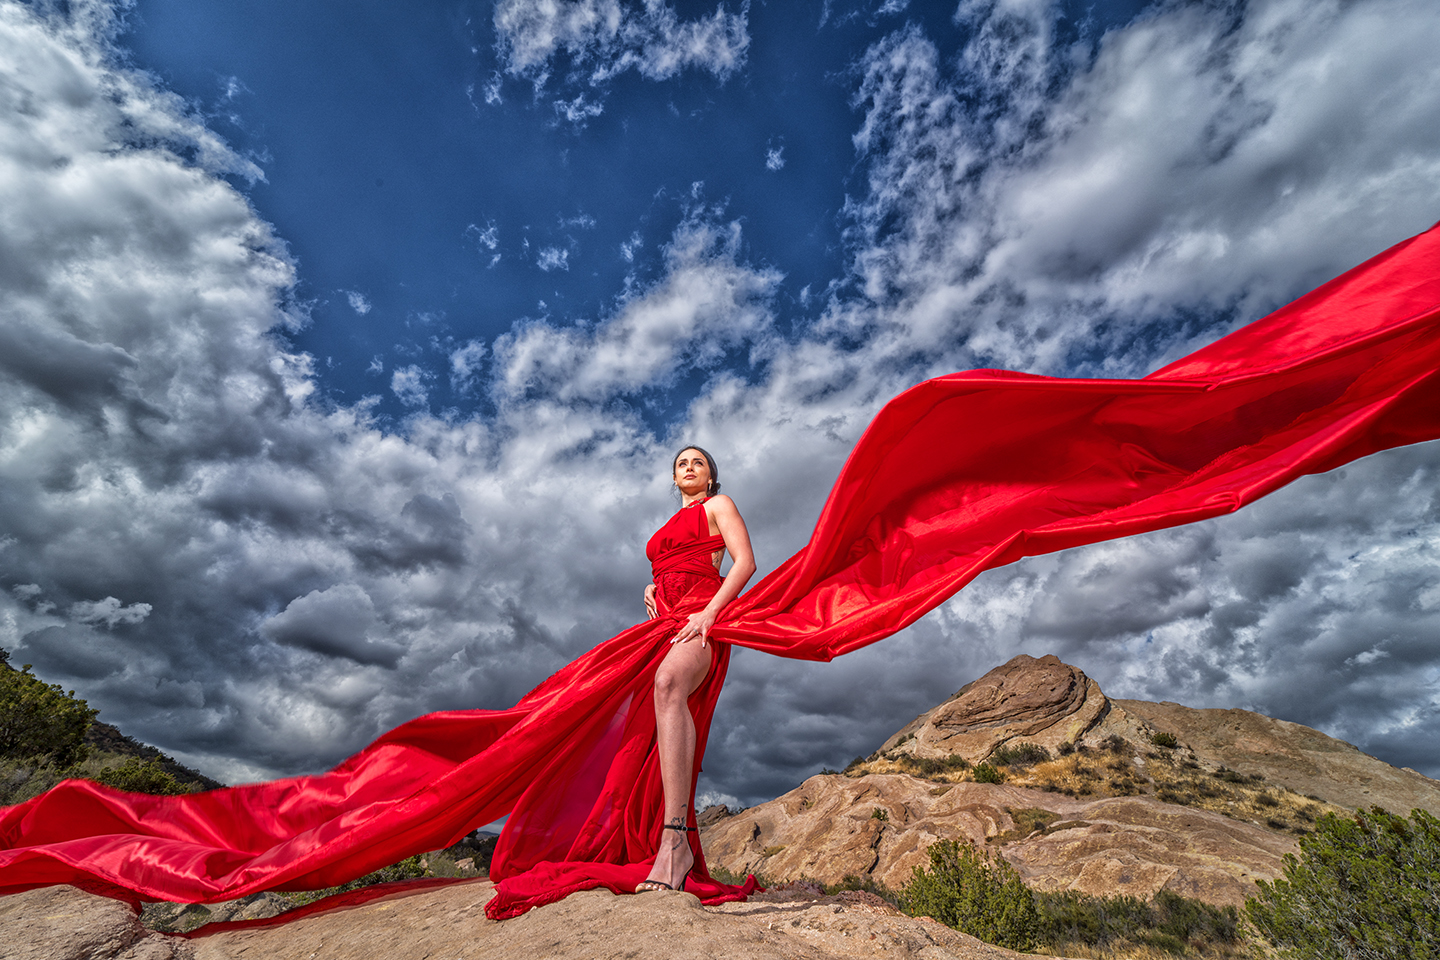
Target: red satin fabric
{"points": [[957, 475]]}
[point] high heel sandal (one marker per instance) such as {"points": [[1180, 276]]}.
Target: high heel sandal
{"points": [[650, 886]]}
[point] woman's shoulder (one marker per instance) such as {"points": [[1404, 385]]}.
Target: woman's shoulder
{"points": [[720, 504]]}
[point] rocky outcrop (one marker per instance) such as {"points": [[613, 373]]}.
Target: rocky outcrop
{"points": [[1055, 705], [61, 923], [1290, 755], [1041, 701], [449, 921], [880, 827], [1121, 829]]}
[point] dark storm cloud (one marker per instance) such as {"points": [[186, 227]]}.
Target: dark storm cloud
{"points": [[338, 622], [260, 581]]}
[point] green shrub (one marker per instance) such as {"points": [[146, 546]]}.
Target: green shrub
{"points": [[985, 897], [1362, 887], [1170, 922], [1069, 916], [1020, 755], [40, 721], [984, 773], [140, 776], [975, 894], [929, 766], [880, 814], [1163, 739]]}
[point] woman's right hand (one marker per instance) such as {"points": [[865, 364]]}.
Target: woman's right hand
{"points": [[650, 607]]}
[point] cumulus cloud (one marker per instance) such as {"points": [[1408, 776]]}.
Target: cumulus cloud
{"points": [[298, 579], [775, 159], [1218, 162]]}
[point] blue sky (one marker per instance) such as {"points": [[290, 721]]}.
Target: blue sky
{"points": [[344, 345], [406, 165]]}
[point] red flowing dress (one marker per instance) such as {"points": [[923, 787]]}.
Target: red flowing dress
{"points": [[956, 475]]}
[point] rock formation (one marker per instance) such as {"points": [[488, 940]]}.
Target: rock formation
{"points": [[1052, 704], [1204, 818], [879, 827], [1042, 701], [61, 923]]}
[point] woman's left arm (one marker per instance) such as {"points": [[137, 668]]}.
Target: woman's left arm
{"points": [[731, 525]]}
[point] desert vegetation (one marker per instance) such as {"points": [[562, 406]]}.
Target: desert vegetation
{"points": [[982, 895], [48, 734], [1364, 886]]}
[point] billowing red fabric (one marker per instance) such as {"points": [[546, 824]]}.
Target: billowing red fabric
{"points": [[957, 475]]}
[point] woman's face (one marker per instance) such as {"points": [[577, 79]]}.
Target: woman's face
{"points": [[692, 473]]}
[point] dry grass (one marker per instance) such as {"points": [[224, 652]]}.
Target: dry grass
{"points": [[1118, 768], [952, 769], [1124, 950], [1180, 779]]}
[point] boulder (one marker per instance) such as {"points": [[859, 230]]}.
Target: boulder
{"points": [[1027, 700]]}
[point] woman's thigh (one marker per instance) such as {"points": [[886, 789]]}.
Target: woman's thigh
{"points": [[684, 667]]}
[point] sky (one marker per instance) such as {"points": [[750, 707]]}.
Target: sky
{"points": [[343, 347]]}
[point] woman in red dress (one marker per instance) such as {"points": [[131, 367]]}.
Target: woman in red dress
{"points": [[686, 555], [959, 474]]}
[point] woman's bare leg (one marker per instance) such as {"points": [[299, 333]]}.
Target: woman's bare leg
{"points": [[680, 674]]}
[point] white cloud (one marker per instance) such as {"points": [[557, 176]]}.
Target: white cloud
{"points": [[358, 302], [553, 258], [408, 384], [707, 303], [1191, 164], [630, 247], [487, 237], [775, 159], [465, 366], [607, 38], [110, 612], [579, 109]]}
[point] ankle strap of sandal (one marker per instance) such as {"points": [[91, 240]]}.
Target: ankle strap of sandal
{"points": [[676, 826]]}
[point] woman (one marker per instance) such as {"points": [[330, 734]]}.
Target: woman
{"points": [[686, 555], [957, 475]]}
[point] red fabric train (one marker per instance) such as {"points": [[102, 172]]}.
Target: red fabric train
{"points": [[957, 475]]}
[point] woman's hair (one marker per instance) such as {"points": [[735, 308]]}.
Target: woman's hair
{"points": [[714, 487]]}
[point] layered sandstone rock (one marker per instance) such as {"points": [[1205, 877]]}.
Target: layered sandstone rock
{"points": [[449, 921], [880, 827], [1028, 700]]}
